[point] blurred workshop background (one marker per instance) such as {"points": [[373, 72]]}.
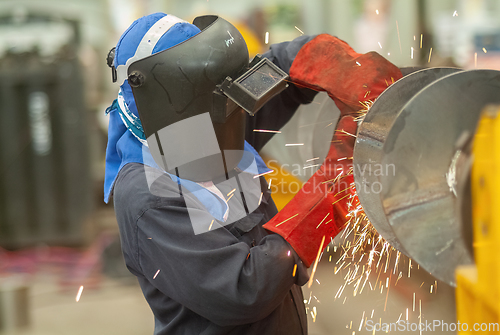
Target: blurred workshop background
{"points": [[61, 268]]}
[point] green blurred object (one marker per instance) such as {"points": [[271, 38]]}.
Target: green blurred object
{"points": [[287, 15]]}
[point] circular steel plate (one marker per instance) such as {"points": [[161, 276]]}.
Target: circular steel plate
{"points": [[418, 202], [371, 138]]}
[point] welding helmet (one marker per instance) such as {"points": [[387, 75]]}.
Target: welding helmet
{"points": [[192, 97]]}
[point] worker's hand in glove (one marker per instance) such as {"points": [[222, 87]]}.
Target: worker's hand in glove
{"points": [[329, 64], [318, 212]]}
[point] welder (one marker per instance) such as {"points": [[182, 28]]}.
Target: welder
{"points": [[197, 222]]}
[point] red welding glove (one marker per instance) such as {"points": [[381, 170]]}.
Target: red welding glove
{"points": [[321, 206], [320, 209], [329, 64]]}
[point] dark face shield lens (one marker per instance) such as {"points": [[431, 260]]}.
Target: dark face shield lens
{"points": [[257, 86], [261, 80]]}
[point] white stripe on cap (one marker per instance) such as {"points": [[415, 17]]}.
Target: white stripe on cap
{"points": [[147, 44]]}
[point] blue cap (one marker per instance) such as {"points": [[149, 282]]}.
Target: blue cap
{"points": [[132, 37]]}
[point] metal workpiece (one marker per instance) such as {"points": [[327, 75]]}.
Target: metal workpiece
{"points": [[417, 206], [371, 139], [419, 201]]}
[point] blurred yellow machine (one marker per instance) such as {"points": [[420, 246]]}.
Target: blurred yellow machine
{"points": [[478, 285]]}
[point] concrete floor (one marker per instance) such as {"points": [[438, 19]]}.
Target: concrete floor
{"points": [[114, 307], [118, 307], [112, 303]]}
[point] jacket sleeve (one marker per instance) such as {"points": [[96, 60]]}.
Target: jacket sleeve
{"points": [[276, 113], [214, 274]]}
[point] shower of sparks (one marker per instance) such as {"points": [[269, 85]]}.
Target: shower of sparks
{"points": [[387, 294], [314, 313], [398, 254], [399, 277], [312, 159], [316, 262], [294, 270], [267, 131], [310, 166], [420, 314], [262, 174], [79, 294], [455, 13], [475, 60], [286, 220], [156, 274], [360, 237], [484, 50], [361, 323], [293, 144], [357, 63], [411, 52], [323, 220], [430, 54], [380, 45], [313, 124], [421, 40], [399, 37], [267, 37], [388, 54], [230, 197], [364, 260], [299, 30], [231, 192], [376, 11], [345, 132], [209, 228]]}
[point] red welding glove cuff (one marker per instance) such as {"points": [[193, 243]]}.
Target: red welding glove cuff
{"points": [[329, 64]]}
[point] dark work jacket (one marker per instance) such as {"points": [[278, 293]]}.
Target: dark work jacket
{"points": [[237, 279]]}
